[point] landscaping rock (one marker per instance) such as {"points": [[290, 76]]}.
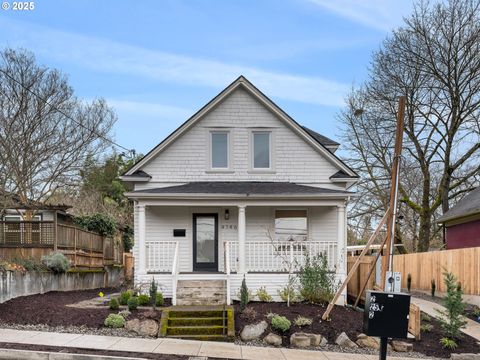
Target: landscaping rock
{"points": [[273, 339], [365, 341], [252, 332], [303, 340], [147, 327], [344, 340], [402, 346]]}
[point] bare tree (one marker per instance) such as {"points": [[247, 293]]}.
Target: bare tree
{"points": [[432, 60], [46, 132]]}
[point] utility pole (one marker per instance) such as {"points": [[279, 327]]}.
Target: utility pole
{"points": [[387, 261]]}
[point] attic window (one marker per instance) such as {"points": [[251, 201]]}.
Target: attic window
{"points": [[261, 150], [219, 149]]}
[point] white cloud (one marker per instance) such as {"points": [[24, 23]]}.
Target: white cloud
{"points": [[378, 14], [114, 57]]}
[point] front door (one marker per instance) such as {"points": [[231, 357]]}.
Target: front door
{"points": [[205, 242]]}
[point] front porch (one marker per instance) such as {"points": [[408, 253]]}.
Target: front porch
{"points": [[227, 241]]}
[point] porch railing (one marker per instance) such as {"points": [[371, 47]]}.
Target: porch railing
{"points": [[160, 255], [265, 256]]}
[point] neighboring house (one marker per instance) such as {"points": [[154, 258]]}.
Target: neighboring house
{"points": [[239, 189], [462, 222], [16, 230]]}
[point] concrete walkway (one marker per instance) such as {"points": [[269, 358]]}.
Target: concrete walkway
{"points": [[472, 328], [173, 346]]}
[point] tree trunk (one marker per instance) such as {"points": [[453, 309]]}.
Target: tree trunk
{"points": [[424, 232]]}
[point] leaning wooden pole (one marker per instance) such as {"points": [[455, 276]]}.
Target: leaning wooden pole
{"points": [[387, 259], [370, 272], [355, 265]]}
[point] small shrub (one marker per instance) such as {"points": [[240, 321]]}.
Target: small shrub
{"points": [[132, 303], [448, 343], [244, 295], [281, 323], [409, 282], [302, 321], [317, 282], [426, 327], [270, 315], [249, 314], [124, 313], [433, 287], [114, 321], [159, 300], [30, 264], [476, 311], [425, 317], [153, 293], [56, 262], [452, 317], [263, 295], [143, 300], [289, 293], [113, 304], [124, 296]]}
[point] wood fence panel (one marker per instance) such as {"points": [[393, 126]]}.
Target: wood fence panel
{"points": [[355, 284], [423, 267]]}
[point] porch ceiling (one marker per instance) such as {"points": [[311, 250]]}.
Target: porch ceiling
{"points": [[240, 189]]}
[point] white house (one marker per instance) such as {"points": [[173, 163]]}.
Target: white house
{"points": [[239, 189]]}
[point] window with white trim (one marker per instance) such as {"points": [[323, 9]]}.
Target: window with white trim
{"points": [[291, 225], [219, 149], [262, 152]]}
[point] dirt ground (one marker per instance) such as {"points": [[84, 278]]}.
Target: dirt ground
{"points": [[50, 309], [349, 321]]}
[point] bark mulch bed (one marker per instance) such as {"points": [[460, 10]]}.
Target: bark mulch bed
{"points": [[50, 309], [58, 349], [345, 320]]}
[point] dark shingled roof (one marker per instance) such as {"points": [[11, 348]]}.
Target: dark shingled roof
{"points": [[320, 138], [342, 175], [139, 173], [242, 188], [469, 205]]}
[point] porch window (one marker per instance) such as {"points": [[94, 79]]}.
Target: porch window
{"points": [[291, 225], [261, 150], [219, 149]]}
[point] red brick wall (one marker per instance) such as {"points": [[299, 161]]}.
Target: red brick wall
{"points": [[463, 235]]}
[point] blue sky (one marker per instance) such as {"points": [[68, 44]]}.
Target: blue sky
{"points": [[157, 62]]}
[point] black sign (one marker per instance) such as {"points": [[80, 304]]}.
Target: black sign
{"points": [[386, 314], [179, 232]]}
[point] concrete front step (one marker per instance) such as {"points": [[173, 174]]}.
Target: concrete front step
{"points": [[201, 292], [196, 330], [201, 321]]}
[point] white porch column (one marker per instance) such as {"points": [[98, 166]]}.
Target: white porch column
{"points": [[142, 259], [242, 234], [341, 239]]}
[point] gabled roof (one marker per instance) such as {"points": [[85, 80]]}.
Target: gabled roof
{"points": [[325, 141], [468, 205], [314, 139], [342, 175], [240, 188]]}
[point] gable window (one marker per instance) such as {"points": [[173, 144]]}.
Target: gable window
{"points": [[219, 149], [261, 150], [291, 225]]}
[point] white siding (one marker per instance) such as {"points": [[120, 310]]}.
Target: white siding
{"points": [[186, 159], [160, 222]]}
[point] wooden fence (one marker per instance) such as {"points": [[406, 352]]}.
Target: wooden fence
{"points": [[356, 282], [34, 239], [423, 267]]}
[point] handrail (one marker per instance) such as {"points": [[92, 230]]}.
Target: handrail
{"points": [[226, 247], [175, 273]]}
